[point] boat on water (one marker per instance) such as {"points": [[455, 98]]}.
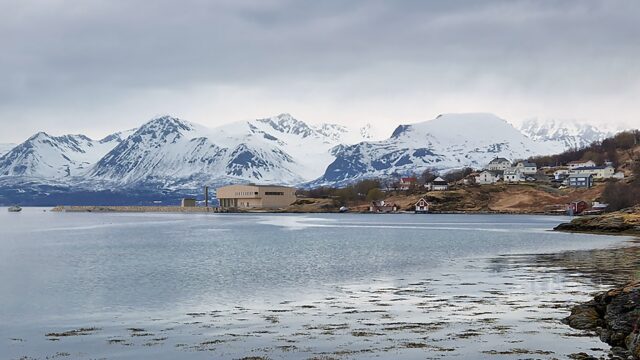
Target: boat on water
{"points": [[15, 208]]}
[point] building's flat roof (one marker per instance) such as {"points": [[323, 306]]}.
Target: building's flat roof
{"points": [[260, 185], [526, 163], [591, 168], [579, 161]]}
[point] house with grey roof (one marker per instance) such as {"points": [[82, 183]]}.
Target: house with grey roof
{"points": [[580, 180], [527, 168], [499, 164]]}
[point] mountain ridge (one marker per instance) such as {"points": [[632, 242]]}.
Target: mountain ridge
{"points": [[168, 154]]}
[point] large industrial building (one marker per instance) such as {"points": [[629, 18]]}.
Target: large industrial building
{"points": [[255, 196]]}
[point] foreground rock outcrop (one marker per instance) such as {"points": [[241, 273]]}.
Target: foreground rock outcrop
{"points": [[620, 222], [615, 316]]}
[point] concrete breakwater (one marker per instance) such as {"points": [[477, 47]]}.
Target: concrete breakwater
{"points": [[136, 209]]}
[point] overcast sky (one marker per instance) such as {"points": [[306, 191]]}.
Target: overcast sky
{"points": [[95, 67]]}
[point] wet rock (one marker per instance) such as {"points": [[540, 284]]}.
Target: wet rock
{"points": [[619, 353], [585, 317], [582, 356], [633, 344], [615, 315]]}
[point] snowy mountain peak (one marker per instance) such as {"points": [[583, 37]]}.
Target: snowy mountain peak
{"points": [[455, 126], [333, 132], [166, 124], [570, 133], [366, 132], [165, 129], [46, 156], [39, 135], [287, 124]]}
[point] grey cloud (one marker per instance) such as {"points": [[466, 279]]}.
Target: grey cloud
{"points": [[75, 64]]}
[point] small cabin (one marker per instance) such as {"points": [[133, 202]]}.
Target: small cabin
{"points": [[577, 207], [422, 206], [188, 202]]}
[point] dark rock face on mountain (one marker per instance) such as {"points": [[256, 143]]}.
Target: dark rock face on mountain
{"points": [[614, 315]]}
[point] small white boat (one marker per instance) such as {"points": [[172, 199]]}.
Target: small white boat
{"points": [[15, 208], [343, 209]]}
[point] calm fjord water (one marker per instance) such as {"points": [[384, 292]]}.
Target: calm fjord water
{"points": [[69, 270]]}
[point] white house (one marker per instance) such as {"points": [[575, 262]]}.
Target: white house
{"points": [[439, 184], [514, 174], [499, 163], [579, 164], [488, 177], [598, 172], [561, 174], [527, 168]]}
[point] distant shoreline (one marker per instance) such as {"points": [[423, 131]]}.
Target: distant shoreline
{"points": [[205, 210]]}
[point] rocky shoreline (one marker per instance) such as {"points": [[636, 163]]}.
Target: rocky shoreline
{"points": [[615, 316], [626, 222]]}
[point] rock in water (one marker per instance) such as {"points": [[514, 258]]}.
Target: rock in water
{"points": [[615, 315], [584, 317]]}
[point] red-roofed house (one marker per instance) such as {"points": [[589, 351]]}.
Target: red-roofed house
{"points": [[407, 183]]}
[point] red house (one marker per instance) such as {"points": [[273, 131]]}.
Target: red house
{"points": [[576, 207], [407, 183]]}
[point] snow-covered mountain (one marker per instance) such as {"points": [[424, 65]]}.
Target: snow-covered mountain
{"points": [[55, 157], [572, 134], [448, 142], [173, 153]]}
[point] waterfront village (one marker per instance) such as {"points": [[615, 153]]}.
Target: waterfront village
{"points": [[419, 194]]}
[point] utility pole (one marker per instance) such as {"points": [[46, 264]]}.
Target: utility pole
{"points": [[206, 196]]}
